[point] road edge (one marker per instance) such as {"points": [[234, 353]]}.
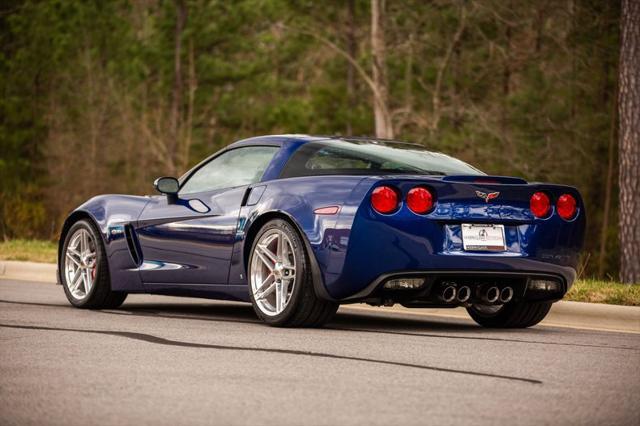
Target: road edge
{"points": [[579, 315]]}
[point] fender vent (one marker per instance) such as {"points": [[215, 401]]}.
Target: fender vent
{"points": [[132, 243]]}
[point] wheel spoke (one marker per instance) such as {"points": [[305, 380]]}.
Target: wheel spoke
{"points": [[271, 255], [87, 245], [265, 293], [71, 258], [267, 257], [267, 281], [75, 281], [74, 252], [87, 281], [279, 243], [279, 299], [83, 242]]}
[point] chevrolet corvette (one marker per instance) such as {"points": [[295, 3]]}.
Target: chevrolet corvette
{"points": [[297, 225]]}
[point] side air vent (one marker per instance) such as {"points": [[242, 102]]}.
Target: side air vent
{"points": [[132, 243]]}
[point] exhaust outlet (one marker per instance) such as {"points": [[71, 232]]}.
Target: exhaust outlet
{"points": [[448, 294], [491, 294], [464, 293], [506, 294]]}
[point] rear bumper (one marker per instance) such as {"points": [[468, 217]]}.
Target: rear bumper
{"points": [[376, 292], [359, 282]]}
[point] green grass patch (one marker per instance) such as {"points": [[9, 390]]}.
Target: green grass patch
{"points": [[30, 250], [597, 291]]}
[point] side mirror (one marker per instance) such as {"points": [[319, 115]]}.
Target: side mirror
{"points": [[168, 186]]}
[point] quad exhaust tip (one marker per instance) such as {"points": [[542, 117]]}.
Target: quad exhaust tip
{"points": [[464, 293], [492, 294], [506, 295], [448, 294]]}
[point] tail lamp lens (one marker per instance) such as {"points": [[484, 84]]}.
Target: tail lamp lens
{"points": [[540, 204], [420, 200], [566, 206], [384, 199]]}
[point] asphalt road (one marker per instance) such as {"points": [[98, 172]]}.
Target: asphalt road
{"points": [[169, 361]]}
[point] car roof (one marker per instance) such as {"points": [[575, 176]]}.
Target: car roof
{"points": [[299, 139], [290, 143], [278, 140]]}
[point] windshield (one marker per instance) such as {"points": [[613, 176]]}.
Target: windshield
{"points": [[371, 157]]}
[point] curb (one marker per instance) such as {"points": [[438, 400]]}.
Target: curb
{"points": [[588, 316], [578, 315], [27, 271]]}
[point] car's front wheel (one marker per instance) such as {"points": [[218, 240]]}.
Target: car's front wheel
{"points": [[84, 270], [510, 315], [280, 280]]}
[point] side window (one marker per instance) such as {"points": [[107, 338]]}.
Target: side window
{"points": [[238, 167]]}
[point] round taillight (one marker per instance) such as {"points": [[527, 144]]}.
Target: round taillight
{"points": [[384, 199], [420, 200], [540, 204], [566, 206]]}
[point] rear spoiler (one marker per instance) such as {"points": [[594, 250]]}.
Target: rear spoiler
{"points": [[483, 179]]}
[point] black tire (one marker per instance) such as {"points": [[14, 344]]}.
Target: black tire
{"points": [[100, 295], [305, 308], [512, 315]]}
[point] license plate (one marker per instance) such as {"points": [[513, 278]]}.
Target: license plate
{"points": [[483, 237]]}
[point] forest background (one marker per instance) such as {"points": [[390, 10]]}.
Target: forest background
{"points": [[104, 96]]}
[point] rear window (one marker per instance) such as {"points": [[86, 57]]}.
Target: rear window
{"points": [[371, 157]]}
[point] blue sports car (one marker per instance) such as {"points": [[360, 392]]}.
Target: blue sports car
{"points": [[297, 225]]}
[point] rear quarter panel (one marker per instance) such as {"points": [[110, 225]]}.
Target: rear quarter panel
{"points": [[297, 198]]}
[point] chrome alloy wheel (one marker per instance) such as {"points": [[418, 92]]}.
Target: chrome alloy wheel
{"points": [[272, 272], [80, 264]]}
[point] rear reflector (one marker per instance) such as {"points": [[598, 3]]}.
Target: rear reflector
{"points": [[540, 204], [420, 200], [543, 285], [566, 206], [330, 210], [404, 284], [384, 199]]}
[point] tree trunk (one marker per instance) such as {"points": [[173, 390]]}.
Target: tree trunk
{"points": [[384, 128], [629, 144], [351, 71], [192, 87], [608, 189], [506, 79], [176, 103]]}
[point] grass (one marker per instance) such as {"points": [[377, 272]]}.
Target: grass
{"points": [[610, 292], [589, 290], [31, 250]]}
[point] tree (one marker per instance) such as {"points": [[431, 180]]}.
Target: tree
{"points": [[384, 127], [629, 154], [129, 90]]}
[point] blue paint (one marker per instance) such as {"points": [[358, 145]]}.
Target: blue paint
{"points": [[196, 247]]}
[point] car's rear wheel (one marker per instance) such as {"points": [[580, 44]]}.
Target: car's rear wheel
{"points": [[280, 279], [84, 270], [510, 315]]}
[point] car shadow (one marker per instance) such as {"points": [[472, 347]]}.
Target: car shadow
{"points": [[360, 322], [363, 322], [242, 312]]}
